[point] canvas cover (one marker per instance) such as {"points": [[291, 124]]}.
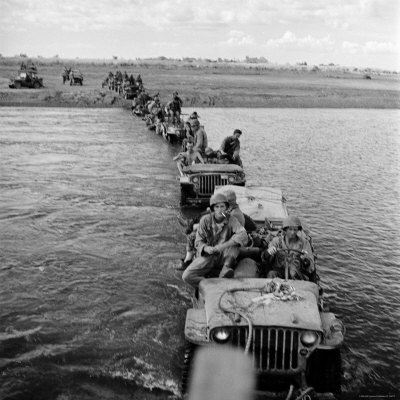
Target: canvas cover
{"points": [[297, 314]]}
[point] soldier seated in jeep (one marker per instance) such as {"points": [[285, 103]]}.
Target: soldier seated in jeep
{"points": [[189, 157], [217, 243], [289, 253]]}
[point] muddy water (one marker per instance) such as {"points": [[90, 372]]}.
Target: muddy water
{"points": [[91, 306]]}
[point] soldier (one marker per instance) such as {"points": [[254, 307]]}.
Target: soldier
{"points": [[231, 147], [200, 136], [217, 243], [175, 107], [189, 157], [291, 250]]}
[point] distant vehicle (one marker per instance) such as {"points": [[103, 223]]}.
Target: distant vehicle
{"points": [[171, 133], [76, 77], [129, 92], [198, 181], [27, 78]]}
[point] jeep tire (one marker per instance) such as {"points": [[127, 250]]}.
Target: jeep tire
{"points": [[183, 201], [187, 366], [324, 371]]}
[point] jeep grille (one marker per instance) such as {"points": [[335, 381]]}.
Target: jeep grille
{"points": [[272, 349], [207, 183]]}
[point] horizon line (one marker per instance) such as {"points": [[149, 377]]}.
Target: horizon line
{"points": [[259, 61]]}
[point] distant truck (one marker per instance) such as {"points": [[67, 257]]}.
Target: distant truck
{"points": [[27, 78]]}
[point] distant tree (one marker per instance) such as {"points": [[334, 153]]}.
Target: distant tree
{"points": [[251, 60], [256, 60], [115, 57], [23, 55]]}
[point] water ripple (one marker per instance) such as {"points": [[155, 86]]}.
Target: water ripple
{"points": [[90, 239]]}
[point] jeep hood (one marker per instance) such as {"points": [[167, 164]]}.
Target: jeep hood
{"points": [[207, 168], [240, 295]]}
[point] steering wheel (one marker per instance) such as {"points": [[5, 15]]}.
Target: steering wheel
{"points": [[286, 260], [287, 250]]}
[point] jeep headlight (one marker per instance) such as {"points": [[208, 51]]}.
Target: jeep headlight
{"points": [[231, 179], [195, 179], [221, 335], [309, 338]]}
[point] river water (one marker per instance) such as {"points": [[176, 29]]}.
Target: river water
{"points": [[91, 304]]}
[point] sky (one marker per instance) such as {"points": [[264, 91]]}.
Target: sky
{"points": [[352, 33]]}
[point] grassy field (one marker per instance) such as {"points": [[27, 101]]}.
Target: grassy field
{"points": [[202, 84]]}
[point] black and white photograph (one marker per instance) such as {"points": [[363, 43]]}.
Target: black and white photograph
{"points": [[200, 200]]}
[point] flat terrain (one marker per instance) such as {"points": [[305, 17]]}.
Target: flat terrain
{"points": [[207, 84]]}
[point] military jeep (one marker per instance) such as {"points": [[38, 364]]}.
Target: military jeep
{"points": [[76, 78], [27, 78], [129, 91], [198, 181], [280, 324], [174, 133], [290, 340]]}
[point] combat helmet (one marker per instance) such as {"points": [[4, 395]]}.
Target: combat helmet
{"points": [[218, 198], [231, 197], [194, 122], [291, 220], [208, 151]]}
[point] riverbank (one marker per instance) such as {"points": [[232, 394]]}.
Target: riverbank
{"points": [[208, 85]]}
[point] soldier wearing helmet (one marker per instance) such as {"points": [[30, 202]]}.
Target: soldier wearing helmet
{"points": [[234, 207], [291, 250], [217, 243], [200, 136]]}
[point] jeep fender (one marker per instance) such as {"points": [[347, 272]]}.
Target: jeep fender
{"points": [[196, 326], [333, 332]]}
